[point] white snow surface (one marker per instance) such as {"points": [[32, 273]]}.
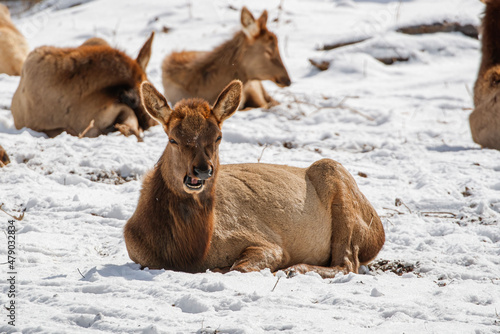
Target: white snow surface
{"points": [[401, 130]]}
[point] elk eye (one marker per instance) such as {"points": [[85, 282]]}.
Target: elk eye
{"points": [[218, 138], [173, 141]]}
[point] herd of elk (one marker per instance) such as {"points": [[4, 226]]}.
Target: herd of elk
{"points": [[86, 91], [250, 56], [13, 46], [194, 214], [485, 119]]}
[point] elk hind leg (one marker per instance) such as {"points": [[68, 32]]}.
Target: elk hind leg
{"points": [[357, 232]]}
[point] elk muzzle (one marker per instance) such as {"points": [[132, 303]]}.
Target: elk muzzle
{"points": [[195, 183], [283, 81]]}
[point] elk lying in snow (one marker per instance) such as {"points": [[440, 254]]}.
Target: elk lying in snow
{"points": [[485, 119], [4, 158], [250, 56], [86, 91], [194, 214], [13, 46]]}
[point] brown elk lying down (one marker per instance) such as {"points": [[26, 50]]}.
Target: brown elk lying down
{"points": [[86, 91], [485, 119], [250, 56], [4, 158], [194, 214], [13, 46]]}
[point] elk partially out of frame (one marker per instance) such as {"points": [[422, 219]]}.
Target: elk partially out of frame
{"points": [[86, 91], [251, 55], [485, 119], [194, 214], [13, 46], [4, 158]]}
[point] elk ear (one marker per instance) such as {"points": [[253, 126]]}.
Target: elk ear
{"points": [[250, 27], [228, 101], [155, 104], [263, 20], [145, 53]]}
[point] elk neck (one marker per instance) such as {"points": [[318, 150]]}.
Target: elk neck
{"points": [[184, 221], [490, 41], [223, 64]]}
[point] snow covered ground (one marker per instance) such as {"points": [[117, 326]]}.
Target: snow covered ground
{"points": [[401, 130]]}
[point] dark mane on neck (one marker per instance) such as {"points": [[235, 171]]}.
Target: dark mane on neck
{"points": [[183, 225], [490, 38]]}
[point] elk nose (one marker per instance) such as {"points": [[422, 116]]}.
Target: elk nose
{"points": [[284, 81], [203, 174]]}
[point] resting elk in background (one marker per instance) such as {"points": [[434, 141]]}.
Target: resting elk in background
{"points": [[485, 119], [86, 91], [251, 55], [4, 158], [13, 46], [194, 214]]}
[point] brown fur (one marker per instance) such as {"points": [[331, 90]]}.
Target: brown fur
{"points": [[13, 46], [245, 217], [4, 158], [64, 89], [485, 119], [251, 55]]}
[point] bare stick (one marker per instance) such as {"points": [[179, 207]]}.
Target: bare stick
{"points": [[438, 213], [91, 125], [399, 212], [262, 153], [80, 272], [8, 214], [274, 287]]}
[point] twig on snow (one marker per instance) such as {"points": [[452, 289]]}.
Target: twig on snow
{"points": [[8, 214], [274, 287], [438, 214], [91, 125], [262, 153]]}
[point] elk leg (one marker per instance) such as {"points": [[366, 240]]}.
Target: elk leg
{"points": [[255, 258], [127, 124], [357, 232], [255, 96]]}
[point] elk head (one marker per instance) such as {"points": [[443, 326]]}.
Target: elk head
{"points": [[262, 58], [191, 159]]}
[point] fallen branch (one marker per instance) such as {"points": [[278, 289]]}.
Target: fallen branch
{"points": [[320, 65], [8, 214], [467, 29], [327, 47], [438, 214], [392, 60]]}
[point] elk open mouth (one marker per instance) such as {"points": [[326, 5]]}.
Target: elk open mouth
{"points": [[193, 183]]}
